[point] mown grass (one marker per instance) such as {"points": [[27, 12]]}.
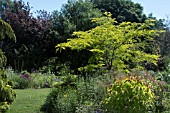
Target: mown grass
{"points": [[29, 100]]}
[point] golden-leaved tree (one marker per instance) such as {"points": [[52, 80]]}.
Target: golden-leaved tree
{"points": [[115, 45]]}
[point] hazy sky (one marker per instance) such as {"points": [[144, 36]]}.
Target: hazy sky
{"points": [[159, 8]]}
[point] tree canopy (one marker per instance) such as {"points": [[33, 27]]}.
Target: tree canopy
{"points": [[75, 15], [115, 46], [32, 35], [122, 10], [36, 37]]}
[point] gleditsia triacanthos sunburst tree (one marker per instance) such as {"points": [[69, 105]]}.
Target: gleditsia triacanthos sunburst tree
{"points": [[7, 94], [114, 44]]}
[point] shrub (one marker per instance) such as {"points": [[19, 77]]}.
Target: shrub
{"points": [[63, 98], [160, 89], [90, 94], [79, 95], [130, 95], [61, 101], [7, 94], [164, 101]]}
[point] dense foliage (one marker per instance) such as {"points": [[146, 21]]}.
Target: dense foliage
{"points": [[130, 94], [136, 93], [75, 15], [122, 10], [7, 94], [75, 96], [32, 34], [62, 101], [98, 42], [36, 37], [5, 4], [115, 46]]}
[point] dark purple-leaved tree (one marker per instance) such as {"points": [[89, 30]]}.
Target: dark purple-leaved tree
{"points": [[34, 41]]}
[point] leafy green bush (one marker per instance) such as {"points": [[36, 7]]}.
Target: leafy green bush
{"points": [[90, 94], [130, 94], [7, 94], [61, 101], [165, 100], [164, 75], [162, 97], [63, 98], [84, 95], [159, 88]]}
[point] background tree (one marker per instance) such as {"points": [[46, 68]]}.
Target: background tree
{"points": [[158, 23], [75, 15], [33, 37], [7, 94], [164, 44], [122, 10], [4, 4]]}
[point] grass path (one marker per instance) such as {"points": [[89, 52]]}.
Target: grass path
{"points": [[29, 100]]}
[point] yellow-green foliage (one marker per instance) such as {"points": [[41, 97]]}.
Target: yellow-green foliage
{"points": [[128, 95], [113, 44], [7, 94], [6, 30]]}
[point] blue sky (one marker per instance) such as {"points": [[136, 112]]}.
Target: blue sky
{"points": [[159, 8]]}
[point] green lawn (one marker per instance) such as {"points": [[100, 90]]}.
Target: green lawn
{"points": [[29, 100]]}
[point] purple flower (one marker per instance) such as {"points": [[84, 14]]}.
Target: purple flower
{"points": [[25, 76]]}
